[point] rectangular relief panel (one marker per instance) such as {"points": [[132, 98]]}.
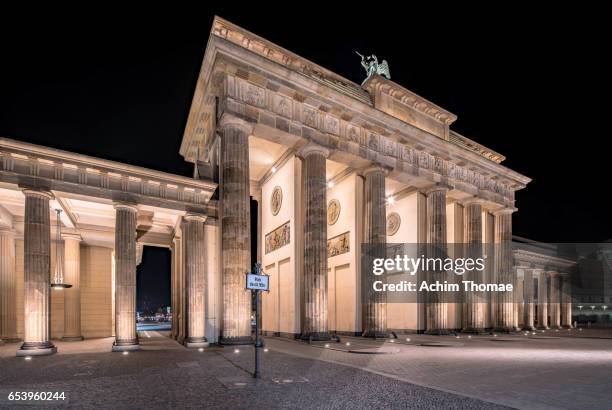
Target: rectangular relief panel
{"points": [[278, 238], [338, 245]]}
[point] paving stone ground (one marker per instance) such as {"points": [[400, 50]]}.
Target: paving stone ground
{"points": [[565, 369], [166, 375], [547, 370]]}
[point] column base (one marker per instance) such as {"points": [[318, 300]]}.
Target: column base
{"points": [[316, 337], [36, 349], [473, 331], [377, 335], [125, 346], [239, 340], [72, 338], [542, 328], [196, 342], [528, 328], [438, 332], [505, 329]]}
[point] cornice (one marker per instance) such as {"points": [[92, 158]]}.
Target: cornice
{"points": [[407, 97]]}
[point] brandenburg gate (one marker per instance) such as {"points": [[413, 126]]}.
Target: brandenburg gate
{"points": [[332, 165]]}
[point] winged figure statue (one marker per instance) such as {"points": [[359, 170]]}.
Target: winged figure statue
{"points": [[372, 66]]}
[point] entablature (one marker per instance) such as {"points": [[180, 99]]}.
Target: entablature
{"points": [[27, 164]]}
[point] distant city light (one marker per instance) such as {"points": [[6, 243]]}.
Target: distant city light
{"points": [[236, 350], [274, 170], [330, 184], [28, 357], [391, 200], [326, 344], [126, 353], [201, 349]]}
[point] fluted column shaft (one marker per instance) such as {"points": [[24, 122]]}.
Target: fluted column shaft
{"points": [[474, 304], [542, 300], [37, 271], [235, 234], [315, 324], [375, 309], [566, 301], [195, 267], [125, 278], [72, 296], [555, 308], [437, 307], [504, 308], [529, 308], [8, 286]]}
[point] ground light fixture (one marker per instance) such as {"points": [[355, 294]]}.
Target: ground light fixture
{"points": [[58, 275]]}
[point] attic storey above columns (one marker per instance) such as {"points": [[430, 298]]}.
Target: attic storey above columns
{"points": [[291, 101]]}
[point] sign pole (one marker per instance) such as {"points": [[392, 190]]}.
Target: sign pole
{"points": [[258, 343], [256, 282]]}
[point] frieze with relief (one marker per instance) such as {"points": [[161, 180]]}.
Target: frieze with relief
{"points": [[338, 245], [278, 238], [281, 105]]}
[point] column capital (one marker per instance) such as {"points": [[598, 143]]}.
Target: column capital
{"points": [[373, 168], [504, 211], [195, 217], [436, 188], [312, 148], [472, 201], [37, 192], [552, 273], [233, 122], [72, 237], [7, 230], [126, 205]]}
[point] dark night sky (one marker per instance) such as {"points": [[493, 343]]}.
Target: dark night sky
{"points": [[153, 279], [530, 84]]}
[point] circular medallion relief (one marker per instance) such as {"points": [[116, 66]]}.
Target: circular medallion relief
{"points": [[276, 200], [333, 211], [393, 223]]}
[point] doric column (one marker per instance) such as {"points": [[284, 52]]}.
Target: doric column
{"points": [[235, 233], [72, 296], [504, 308], [528, 306], [554, 305], [542, 300], [37, 271], [437, 308], [375, 235], [8, 286], [315, 324], [125, 278], [178, 264], [566, 301], [474, 302], [195, 273]]}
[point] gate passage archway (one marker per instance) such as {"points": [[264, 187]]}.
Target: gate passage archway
{"points": [[153, 291]]}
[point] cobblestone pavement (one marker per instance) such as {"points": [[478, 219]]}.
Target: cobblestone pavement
{"points": [[163, 374], [542, 370]]}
